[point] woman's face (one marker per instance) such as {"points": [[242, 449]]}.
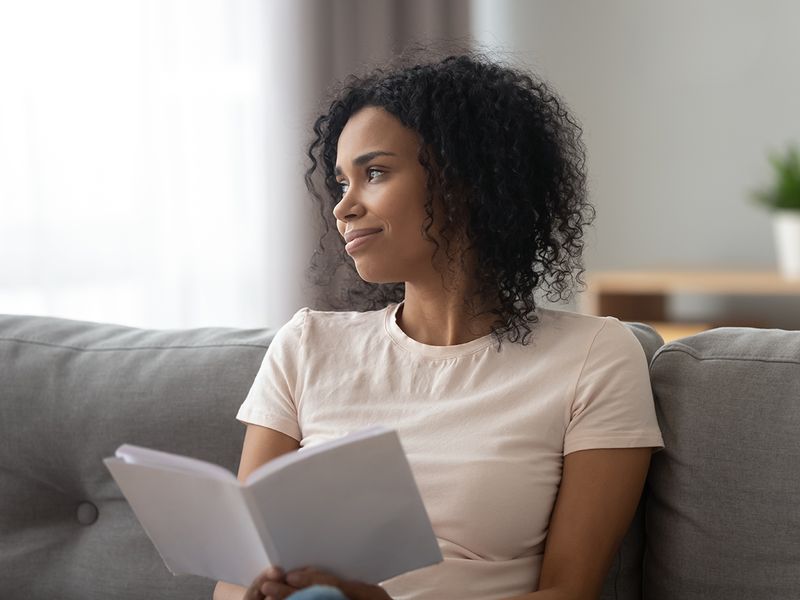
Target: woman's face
{"points": [[384, 189]]}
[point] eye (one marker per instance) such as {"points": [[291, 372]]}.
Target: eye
{"points": [[372, 173]]}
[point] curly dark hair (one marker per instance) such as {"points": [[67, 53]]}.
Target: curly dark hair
{"points": [[508, 163]]}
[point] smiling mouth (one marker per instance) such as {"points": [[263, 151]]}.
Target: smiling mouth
{"points": [[360, 241]]}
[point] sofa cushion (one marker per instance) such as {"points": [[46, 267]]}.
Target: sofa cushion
{"points": [[71, 392], [624, 580], [722, 513]]}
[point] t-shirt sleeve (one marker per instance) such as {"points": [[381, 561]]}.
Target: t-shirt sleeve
{"points": [[613, 404], [271, 401]]}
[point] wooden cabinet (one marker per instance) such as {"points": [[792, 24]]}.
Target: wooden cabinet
{"points": [[643, 295]]}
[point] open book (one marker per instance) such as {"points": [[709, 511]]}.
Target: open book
{"points": [[349, 507]]}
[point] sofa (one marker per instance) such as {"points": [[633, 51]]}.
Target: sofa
{"points": [[719, 517]]}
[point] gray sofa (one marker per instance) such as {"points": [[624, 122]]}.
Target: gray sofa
{"points": [[719, 519]]}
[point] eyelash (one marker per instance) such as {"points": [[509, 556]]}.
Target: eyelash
{"points": [[369, 170]]}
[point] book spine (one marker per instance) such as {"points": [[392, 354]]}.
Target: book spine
{"points": [[260, 526]]}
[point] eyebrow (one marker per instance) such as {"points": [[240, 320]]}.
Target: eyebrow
{"points": [[364, 158]]}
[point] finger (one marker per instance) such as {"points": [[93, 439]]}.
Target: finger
{"points": [[301, 578], [253, 592], [271, 573], [273, 590], [274, 573], [356, 590]]}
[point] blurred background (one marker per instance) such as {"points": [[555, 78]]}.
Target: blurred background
{"points": [[152, 151]]}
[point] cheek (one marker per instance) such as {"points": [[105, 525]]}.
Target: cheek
{"points": [[408, 207]]}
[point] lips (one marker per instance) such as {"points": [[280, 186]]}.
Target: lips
{"points": [[359, 238], [357, 233]]}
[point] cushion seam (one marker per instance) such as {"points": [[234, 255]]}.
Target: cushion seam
{"points": [[691, 352], [118, 348]]}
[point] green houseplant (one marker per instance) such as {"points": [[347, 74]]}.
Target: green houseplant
{"points": [[782, 198]]}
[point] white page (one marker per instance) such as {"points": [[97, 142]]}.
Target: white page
{"points": [[352, 509], [289, 458], [199, 525], [145, 456]]}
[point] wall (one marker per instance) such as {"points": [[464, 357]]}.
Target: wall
{"points": [[680, 102]]}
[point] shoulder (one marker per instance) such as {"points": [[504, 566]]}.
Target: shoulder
{"points": [[337, 320], [582, 335], [319, 324], [575, 327]]}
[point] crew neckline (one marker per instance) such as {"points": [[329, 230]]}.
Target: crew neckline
{"points": [[400, 337]]}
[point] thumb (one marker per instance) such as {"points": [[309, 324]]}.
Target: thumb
{"points": [[356, 590]]}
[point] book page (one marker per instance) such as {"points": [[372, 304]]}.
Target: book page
{"points": [[145, 456], [199, 524], [350, 507], [278, 463]]}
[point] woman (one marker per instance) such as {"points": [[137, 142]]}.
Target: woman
{"points": [[458, 190]]}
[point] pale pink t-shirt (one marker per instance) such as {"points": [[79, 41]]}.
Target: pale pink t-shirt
{"points": [[485, 431]]}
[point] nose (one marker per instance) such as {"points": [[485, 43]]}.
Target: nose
{"points": [[348, 208]]}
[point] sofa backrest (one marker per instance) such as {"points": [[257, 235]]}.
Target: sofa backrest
{"points": [[723, 502], [70, 393]]}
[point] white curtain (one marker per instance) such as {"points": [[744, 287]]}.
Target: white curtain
{"points": [[152, 151], [132, 160]]}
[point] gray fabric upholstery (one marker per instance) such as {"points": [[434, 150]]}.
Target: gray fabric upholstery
{"points": [[719, 517], [70, 393], [723, 512]]}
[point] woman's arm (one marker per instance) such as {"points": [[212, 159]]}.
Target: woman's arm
{"points": [[599, 492], [261, 445], [228, 591]]}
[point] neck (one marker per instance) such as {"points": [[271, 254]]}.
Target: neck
{"points": [[441, 319]]}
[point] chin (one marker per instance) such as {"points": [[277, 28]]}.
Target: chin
{"points": [[372, 275]]}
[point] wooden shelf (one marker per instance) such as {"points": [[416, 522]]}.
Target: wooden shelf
{"points": [[674, 331], [642, 295]]}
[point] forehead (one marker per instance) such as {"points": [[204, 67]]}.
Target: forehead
{"points": [[373, 128]]}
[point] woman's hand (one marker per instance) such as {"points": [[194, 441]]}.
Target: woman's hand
{"points": [[273, 583], [270, 583], [354, 590]]}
